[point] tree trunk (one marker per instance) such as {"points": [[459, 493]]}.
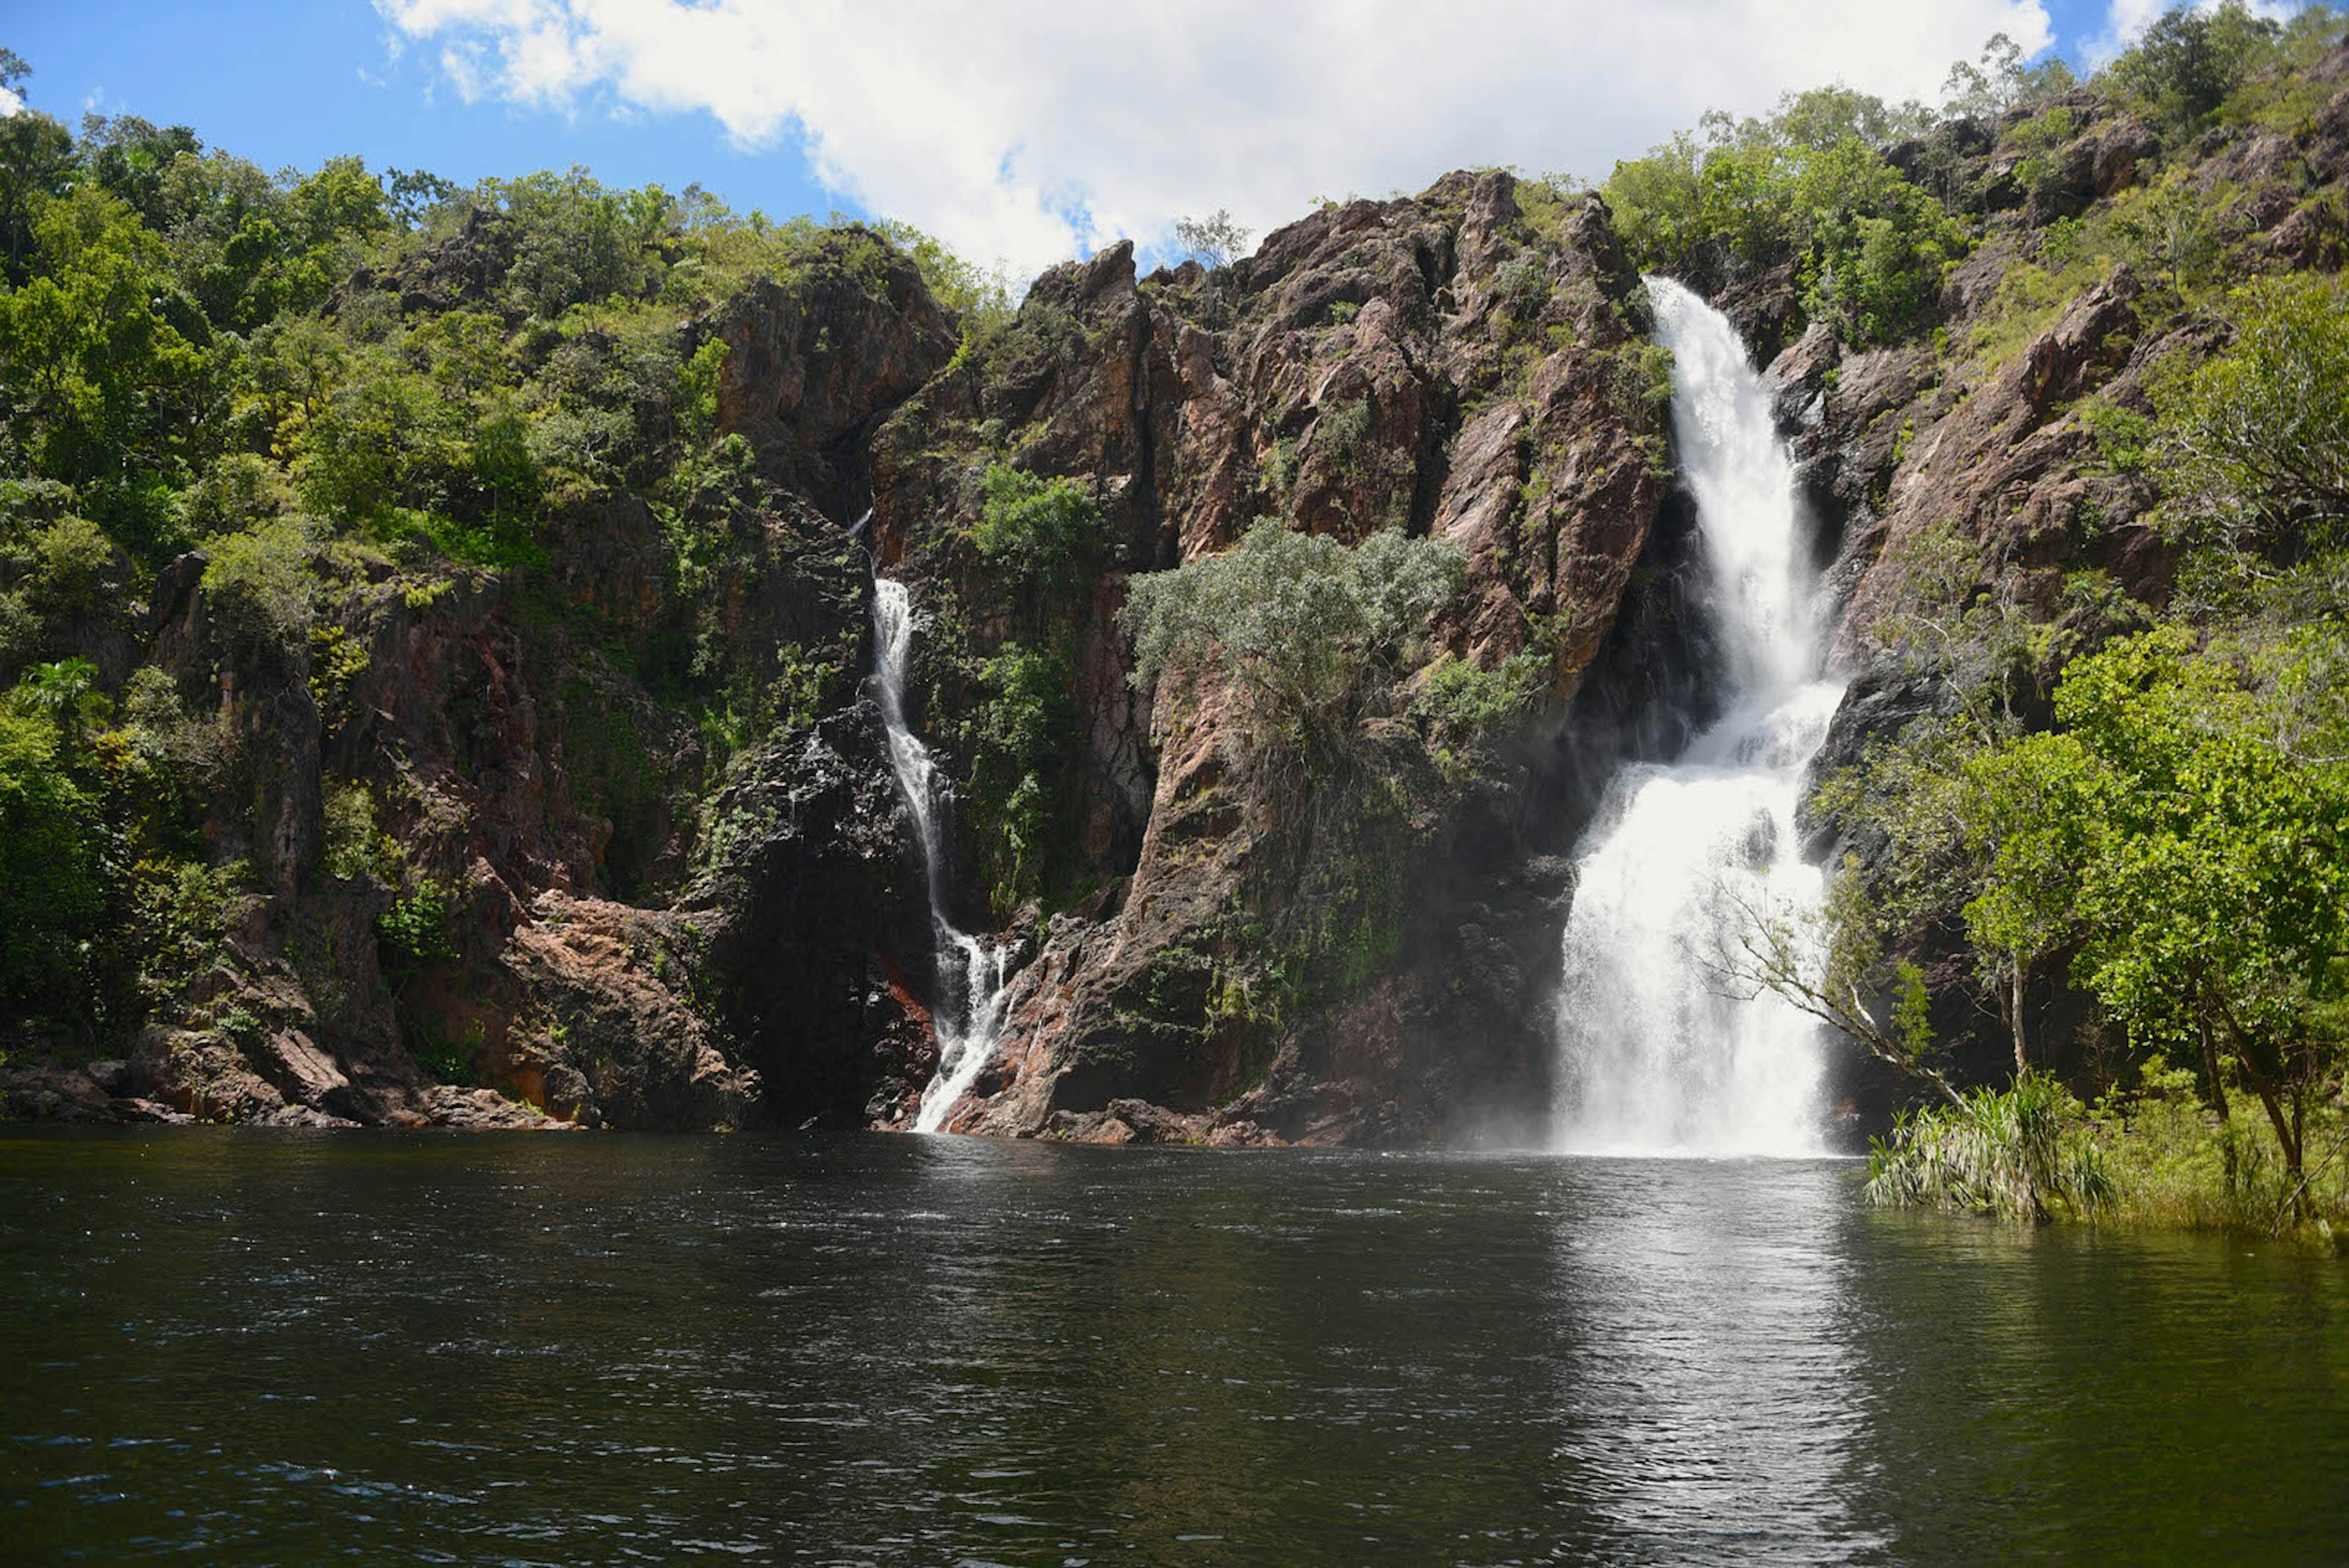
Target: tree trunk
{"points": [[2287, 1139], [2210, 1066], [2299, 1145], [2014, 1004], [2227, 1150]]}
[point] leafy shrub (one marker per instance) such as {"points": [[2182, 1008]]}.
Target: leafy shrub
{"points": [[1469, 705], [444, 1060], [160, 724], [416, 928], [1522, 288], [73, 567], [1888, 275], [1303, 629], [20, 631], [1342, 432], [1278, 469], [2254, 443], [2122, 434], [178, 911], [1642, 377], [66, 692], [1020, 738], [355, 845], [1038, 530], [52, 887], [237, 492], [697, 391], [2045, 132], [262, 591]]}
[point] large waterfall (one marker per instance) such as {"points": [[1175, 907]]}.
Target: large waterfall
{"points": [[967, 1009], [1654, 1057]]}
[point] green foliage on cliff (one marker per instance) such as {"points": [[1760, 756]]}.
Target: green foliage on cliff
{"points": [[1041, 532], [415, 930], [51, 888], [1304, 632], [1809, 186], [1020, 739], [2190, 60], [354, 390], [1467, 705], [2253, 445], [101, 910]]}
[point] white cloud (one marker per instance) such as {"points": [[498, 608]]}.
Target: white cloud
{"points": [[10, 102], [1027, 130], [2124, 21]]}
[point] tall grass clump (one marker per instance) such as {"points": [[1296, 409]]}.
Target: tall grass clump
{"points": [[2023, 1153]]}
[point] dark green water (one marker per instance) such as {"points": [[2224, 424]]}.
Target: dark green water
{"points": [[238, 1347]]}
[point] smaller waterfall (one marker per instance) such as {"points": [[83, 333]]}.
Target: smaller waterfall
{"points": [[967, 1009]]}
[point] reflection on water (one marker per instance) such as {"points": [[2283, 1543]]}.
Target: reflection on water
{"points": [[1706, 1321], [239, 1347]]}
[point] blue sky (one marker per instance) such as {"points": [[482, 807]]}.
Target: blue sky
{"points": [[1020, 129], [292, 84]]}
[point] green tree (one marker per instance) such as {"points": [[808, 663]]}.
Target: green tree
{"points": [[134, 160], [1808, 184], [52, 894], [1305, 630], [1988, 88], [2191, 59], [37, 164], [2189, 827], [102, 388], [2254, 443], [338, 200], [1214, 241], [1039, 530]]}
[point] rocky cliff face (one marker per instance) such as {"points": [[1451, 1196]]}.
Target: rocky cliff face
{"points": [[1452, 365]]}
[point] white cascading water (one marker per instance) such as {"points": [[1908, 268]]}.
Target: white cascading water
{"points": [[1654, 1058], [966, 1013]]}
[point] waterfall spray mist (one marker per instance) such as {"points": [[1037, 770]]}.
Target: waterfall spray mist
{"points": [[967, 1009], [1652, 1058]]}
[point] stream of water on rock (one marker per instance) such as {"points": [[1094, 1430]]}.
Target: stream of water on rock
{"points": [[1654, 1058], [966, 1011]]}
